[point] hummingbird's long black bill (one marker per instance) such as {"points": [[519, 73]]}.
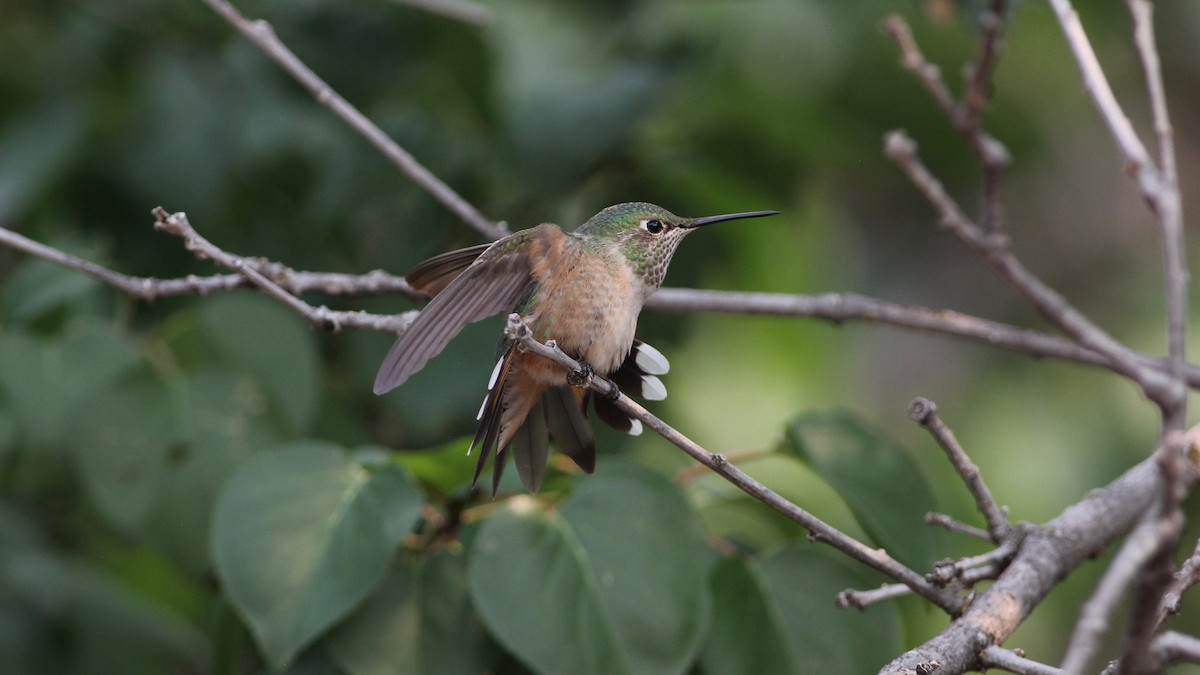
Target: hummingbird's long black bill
{"points": [[709, 220]]}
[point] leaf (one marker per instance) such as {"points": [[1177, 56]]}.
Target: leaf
{"points": [[37, 287], [35, 149], [30, 377], [614, 583], [301, 535], [447, 467], [218, 421], [881, 484], [420, 620], [802, 585], [8, 433], [257, 336], [47, 380], [557, 81], [120, 448], [748, 634]]}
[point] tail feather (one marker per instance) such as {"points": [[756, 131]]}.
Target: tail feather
{"points": [[635, 377], [488, 433], [530, 448], [565, 417]]}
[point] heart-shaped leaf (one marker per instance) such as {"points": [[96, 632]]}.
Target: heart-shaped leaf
{"points": [[612, 583], [301, 535]]}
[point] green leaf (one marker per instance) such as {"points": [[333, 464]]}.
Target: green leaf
{"points": [[748, 634], [30, 378], [446, 467], [120, 447], [37, 287], [801, 585], [35, 149], [46, 380], [881, 484], [301, 535], [420, 620], [8, 433], [613, 583], [218, 420], [258, 336]]}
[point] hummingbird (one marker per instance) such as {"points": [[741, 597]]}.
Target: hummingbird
{"points": [[584, 290]]}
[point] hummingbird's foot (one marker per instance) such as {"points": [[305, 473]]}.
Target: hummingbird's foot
{"points": [[581, 378]]}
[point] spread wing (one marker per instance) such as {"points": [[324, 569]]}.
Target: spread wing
{"points": [[492, 283], [434, 275]]}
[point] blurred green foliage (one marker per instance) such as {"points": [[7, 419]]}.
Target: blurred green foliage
{"points": [[176, 489]]}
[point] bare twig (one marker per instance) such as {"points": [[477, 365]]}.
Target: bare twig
{"points": [[1187, 576], [1172, 647], [992, 21], [263, 36], [875, 558], [470, 13], [149, 289], [1140, 165], [924, 412], [991, 154], [1014, 662], [995, 251], [956, 526], [864, 599], [841, 307], [320, 317], [949, 571]]}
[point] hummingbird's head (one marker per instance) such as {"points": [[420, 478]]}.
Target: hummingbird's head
{"points": [[648, 235]]}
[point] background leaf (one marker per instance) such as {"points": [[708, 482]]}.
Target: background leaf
{"points": [[419, 621], [878, 480], [301, 535], [260, 337], [802, 584], [615, 583]]}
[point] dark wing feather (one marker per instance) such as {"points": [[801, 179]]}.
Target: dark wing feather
{"points": [[490, 285], [530, 447], [434, 275], [570, 426]]}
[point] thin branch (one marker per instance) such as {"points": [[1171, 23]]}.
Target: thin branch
{"points": [[263, 36], [864, 599], [841, 307], [320, 317], [956, 526], [991, 154], [924, 412], [992, 22], [1140, 165], [949, 571], [1187, 576], [470, 13], [1014, 662], [1152, 578], [995, 251], [875, 558], [1094, 617], [1172, 647]]}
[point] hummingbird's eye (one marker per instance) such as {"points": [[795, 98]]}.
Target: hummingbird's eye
{"points": [[652, 226]]}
